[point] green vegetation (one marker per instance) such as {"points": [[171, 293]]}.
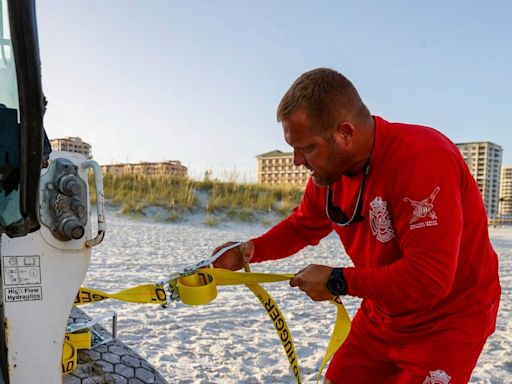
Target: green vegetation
{"points": [[216, 199]]}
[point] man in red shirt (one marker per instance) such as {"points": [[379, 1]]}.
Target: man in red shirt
{"points": [[411, 219]]}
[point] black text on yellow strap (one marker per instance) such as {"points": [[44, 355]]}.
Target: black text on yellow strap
{"points": [[84, 297], [281, 327]]}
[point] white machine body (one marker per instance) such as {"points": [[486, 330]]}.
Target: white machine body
{"points": [[42, 272]]}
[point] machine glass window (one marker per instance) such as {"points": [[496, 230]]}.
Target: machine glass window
{"points": [[9, 127]]}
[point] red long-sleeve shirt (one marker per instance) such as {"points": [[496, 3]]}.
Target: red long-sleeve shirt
{"points": [[422, 257]]}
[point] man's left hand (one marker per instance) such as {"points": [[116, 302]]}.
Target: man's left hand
{"points": [[313, 281]]}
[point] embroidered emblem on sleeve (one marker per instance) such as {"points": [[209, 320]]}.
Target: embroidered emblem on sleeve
{"points": [[423, 209], [438, 377], [380, 222]]}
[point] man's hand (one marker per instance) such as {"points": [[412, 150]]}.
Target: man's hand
{"points": [[313, 281], [235, 258]]}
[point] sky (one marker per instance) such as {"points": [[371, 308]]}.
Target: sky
{"points": [[200, 81]]}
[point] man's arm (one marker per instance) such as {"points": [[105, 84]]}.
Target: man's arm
{"points": [[306, 225]]}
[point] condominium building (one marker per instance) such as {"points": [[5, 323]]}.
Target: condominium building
{"points": [[505, 202], [164, 168], [484, 162], [72, 144], [277, 167]]}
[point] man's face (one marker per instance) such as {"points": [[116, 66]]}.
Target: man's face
{"points": [[327, 159]]}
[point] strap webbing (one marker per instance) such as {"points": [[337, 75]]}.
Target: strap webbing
{"points": [[201, 288], [339, 334], [69, 357], [284, 334]]}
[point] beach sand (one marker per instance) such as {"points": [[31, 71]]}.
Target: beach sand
{"points": [[231, 340]]}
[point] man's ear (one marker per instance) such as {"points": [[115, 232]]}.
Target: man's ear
{"points": [[344, 132]]}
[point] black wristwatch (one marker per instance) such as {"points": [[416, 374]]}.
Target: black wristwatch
{"points": [[336, 284]]}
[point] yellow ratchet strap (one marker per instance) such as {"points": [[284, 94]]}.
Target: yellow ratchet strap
{"points": [[201, 288], [284, 334], [147, 293], [72, 343], [339, 334], [69, 357]]}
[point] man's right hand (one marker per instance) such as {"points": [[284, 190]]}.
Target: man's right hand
{"points": [[235, 258]]}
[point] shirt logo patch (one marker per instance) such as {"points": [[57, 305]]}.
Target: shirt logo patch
{"points": [[380, 222], [423, 209], [437, 377]]}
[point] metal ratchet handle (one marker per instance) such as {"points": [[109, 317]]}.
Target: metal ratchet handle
{"points": [[209, 261], [88, 324]]}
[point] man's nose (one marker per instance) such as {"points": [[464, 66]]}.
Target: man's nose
{"points": [[298, 158]]}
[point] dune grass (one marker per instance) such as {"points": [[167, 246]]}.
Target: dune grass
{"points": [[238, 201]]}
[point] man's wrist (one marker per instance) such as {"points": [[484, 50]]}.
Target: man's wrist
{"points": [[336, 283]]}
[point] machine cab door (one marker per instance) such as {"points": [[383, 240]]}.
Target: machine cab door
{"points": [[22, 106]]}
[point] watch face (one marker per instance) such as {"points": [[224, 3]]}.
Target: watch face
{"points": [[336, 283]]}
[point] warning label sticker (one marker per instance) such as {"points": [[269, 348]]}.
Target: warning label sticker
{"points": [[23, 294], [21, 270], [21, 276]]}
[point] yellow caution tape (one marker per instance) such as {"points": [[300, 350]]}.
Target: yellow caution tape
{"points": [[201, 288]]}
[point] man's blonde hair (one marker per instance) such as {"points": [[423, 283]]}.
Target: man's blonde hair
{"points": [[326, 96]]}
